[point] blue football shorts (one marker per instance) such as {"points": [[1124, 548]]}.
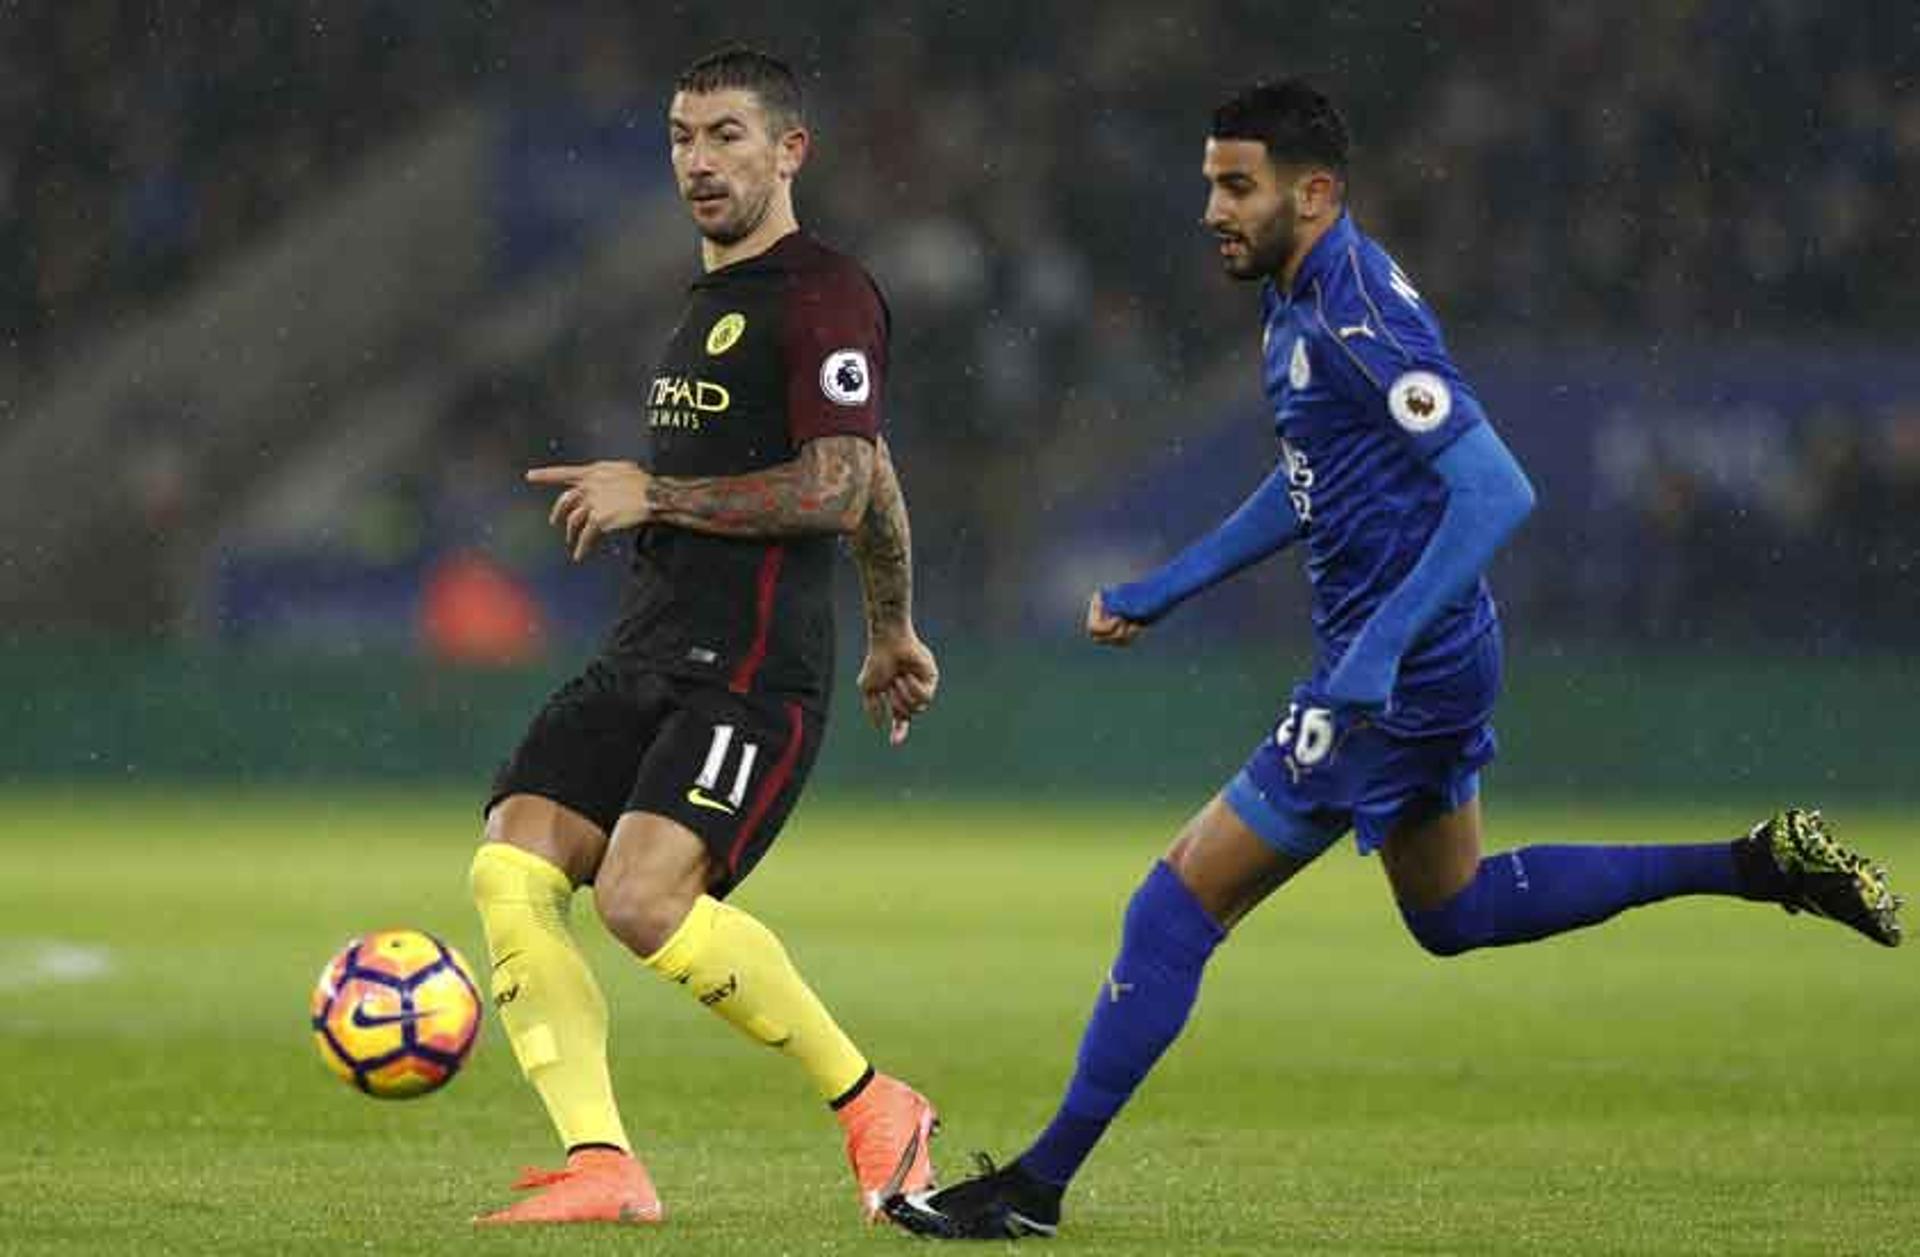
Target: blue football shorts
{"points": [[1374, 778]]}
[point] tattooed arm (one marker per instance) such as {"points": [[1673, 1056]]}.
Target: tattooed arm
{"points": [[883, 551], [899, 677], [838, 484], [822, 490], [825, 489]]}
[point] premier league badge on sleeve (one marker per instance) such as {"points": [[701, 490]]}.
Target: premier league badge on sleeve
{"points": [[844, 378], [1299, 370], [1420, 401]]}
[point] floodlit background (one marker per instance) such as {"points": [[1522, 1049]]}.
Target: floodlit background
{"points": [[293, 292], [290, 293]]}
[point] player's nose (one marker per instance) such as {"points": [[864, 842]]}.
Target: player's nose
{"points": [[699, 158]]}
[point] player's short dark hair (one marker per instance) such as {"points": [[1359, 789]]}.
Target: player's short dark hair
{"points": [[1296, 122], [748, 69]]}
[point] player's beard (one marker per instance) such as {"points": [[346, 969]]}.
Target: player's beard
{"points": [[1268, 249], [752, 206]]}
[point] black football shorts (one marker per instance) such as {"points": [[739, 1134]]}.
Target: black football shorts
{"points": [[728, 766]]}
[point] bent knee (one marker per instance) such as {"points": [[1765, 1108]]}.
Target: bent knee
{"points": [[642, 917], [552, 831], [1444, 931], [1443, 945], [502, 872]]}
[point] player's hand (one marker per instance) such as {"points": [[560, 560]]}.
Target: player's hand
{"points": [[1108, 629], [597, 498], [898, 682]]}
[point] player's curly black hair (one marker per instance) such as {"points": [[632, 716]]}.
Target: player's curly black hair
{"points": [[1295, 120], [749, 69]]}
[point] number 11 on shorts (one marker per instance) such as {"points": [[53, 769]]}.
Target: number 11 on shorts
{"points": [[710, 772]]}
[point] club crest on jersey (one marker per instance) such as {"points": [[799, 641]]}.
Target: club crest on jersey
{"points": [[845, 379], [1420, 401], [1299, 370], [725, 333]]}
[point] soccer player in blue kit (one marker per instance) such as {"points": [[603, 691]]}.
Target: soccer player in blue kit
{"points": [[1391, 474]]}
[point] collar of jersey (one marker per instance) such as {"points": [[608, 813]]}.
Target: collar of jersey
{"points": [[1323, 256], [767, 257]]}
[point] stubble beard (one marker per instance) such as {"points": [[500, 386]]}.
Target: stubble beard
{"points": [[737, 228], [1268, 255]]}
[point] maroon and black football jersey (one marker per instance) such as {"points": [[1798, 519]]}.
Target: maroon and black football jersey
{"points": [[772, 352]]}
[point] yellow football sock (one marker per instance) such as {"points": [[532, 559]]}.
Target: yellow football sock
{"points": [[735, 966], [549, 1004]]}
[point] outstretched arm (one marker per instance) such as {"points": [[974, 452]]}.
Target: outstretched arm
{"points": [[1487, 497], [899, 677], [824, 489], [1265, 523]]}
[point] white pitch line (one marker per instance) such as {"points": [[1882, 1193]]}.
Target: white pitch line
{"points": [[31, 962]]}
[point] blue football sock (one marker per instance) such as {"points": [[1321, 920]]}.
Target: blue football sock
{"points": [[1164, 945], [1519, 896]]}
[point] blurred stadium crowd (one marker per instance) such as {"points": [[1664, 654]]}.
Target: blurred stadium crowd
{"points": [[1024, 180], [146, 143]]}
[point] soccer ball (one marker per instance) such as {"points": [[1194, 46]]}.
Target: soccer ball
{"points": [[396, 1013]]}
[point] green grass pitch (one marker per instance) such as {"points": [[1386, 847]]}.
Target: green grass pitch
{"points": [[1701, 1077]]}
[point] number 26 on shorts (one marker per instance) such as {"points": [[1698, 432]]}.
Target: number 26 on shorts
{"points": [[1306, 736]]}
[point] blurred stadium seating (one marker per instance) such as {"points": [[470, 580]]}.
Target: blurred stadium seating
{"points": [[294, 292]]}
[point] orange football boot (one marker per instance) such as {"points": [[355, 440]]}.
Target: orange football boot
{"points": [[598, 1185], [532, 1176], [889, 1126]]}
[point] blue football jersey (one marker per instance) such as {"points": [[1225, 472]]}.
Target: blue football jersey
{"points": [[1364, 395]]}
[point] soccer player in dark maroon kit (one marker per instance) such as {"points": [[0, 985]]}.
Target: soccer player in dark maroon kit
{"points": [[662, 773]]}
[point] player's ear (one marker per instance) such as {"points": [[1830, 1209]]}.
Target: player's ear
{"points": [[790, 151], [1318, 194]]}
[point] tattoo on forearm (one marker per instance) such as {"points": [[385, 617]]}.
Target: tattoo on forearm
{"points": [[824, 490], [883, 550]]}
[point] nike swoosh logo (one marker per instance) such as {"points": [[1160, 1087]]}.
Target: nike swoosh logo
{"points": [[367, 1021], [1357, 329], [700, 798], [900, 1170], [922, 1131]]}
